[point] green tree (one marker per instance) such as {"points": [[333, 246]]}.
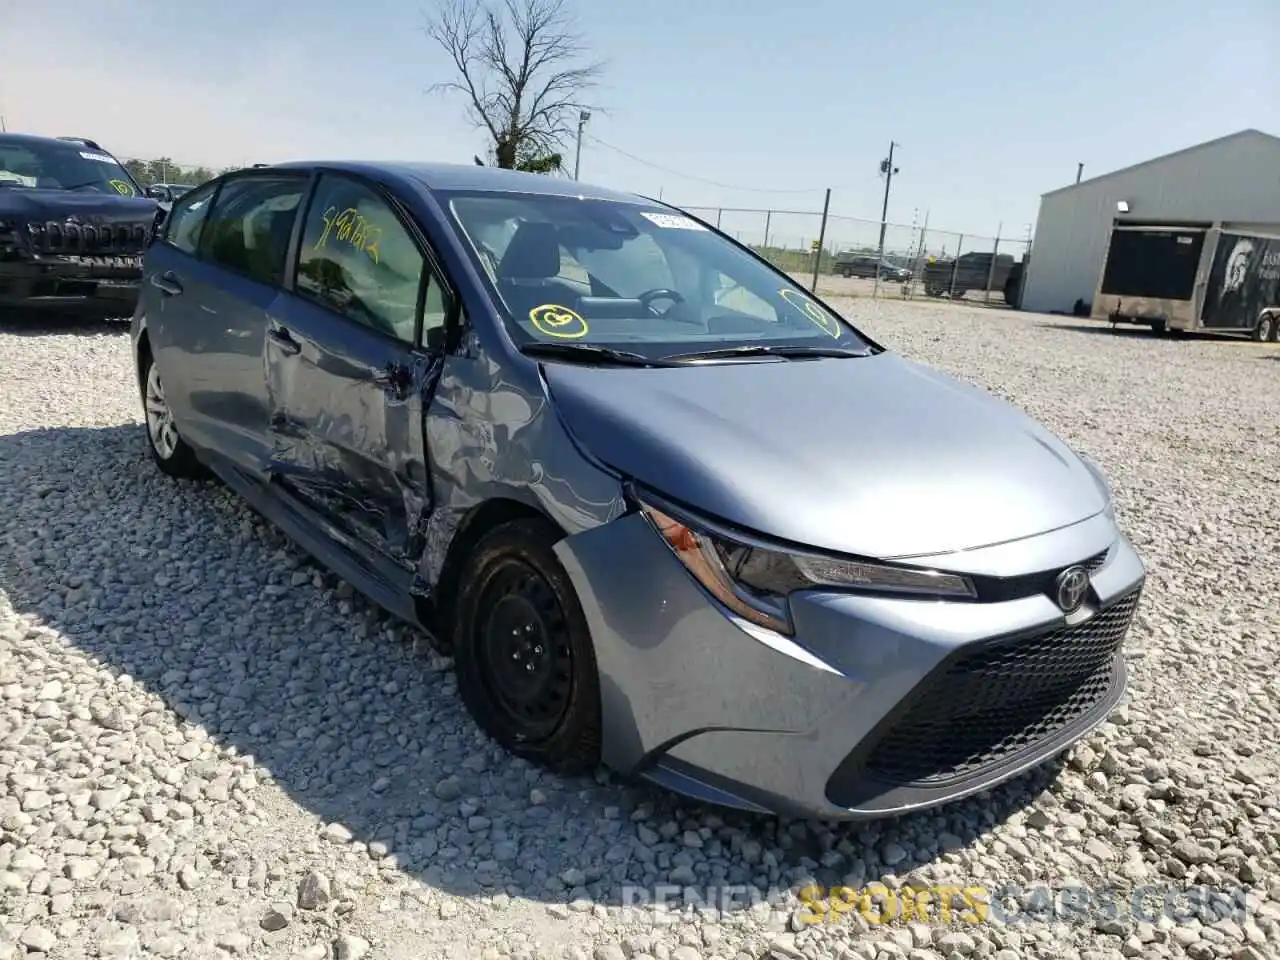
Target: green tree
{"points": [[521, 69]]}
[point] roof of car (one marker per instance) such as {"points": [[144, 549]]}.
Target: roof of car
{"points": [[456, 176], [33, 138]]}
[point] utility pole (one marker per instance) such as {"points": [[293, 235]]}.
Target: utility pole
{"points": [[822, 238], [888, 170], [1079, 170], [583, 117]]}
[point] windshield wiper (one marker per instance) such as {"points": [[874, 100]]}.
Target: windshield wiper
{"points": [[768, 350], [587, 353]]}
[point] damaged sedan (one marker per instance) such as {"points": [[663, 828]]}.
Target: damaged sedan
{"points": [[666, 509]]}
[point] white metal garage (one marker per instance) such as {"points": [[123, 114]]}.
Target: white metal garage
{"points": [[1234, 178]]}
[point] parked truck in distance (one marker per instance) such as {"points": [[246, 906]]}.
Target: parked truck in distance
{"points": [[999, 273], [1192, 277]]}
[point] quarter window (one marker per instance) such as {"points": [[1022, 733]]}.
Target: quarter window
{"points": [[251, 223], [187, 217], [358, 260]]}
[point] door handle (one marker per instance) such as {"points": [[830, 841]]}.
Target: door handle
{"points": [[166, 283], [284, 340]]}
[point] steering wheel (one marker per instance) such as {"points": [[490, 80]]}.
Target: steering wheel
{"points": [[660, 293]]}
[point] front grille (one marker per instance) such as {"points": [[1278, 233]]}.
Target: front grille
{"points": [[121, 239], [1001, 699]]}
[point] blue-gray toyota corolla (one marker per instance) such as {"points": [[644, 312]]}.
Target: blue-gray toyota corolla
{"points": [[666, 509]]}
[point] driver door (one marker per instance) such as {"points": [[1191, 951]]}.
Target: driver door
{"points": [[349, 374]]}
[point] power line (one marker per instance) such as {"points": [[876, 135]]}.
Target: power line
{"points": [[686, 176]]}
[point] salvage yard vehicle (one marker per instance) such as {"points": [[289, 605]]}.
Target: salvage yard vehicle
{"points": [[859, 265], [665, 508], [973, 271], [1192, 277], [73, 226]]}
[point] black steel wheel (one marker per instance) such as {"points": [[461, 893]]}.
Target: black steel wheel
{"points": [[525, 662]]}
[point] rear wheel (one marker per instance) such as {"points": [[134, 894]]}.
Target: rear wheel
{"points": [[1266, 329], [168, 449], [525, 662]]}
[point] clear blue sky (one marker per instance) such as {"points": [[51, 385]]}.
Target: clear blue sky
{"points": [[992, 101]]}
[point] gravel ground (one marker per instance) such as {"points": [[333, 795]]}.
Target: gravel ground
{"points": [[210, 748]]}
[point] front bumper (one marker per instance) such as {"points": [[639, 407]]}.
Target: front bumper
{"points": [[107, 286], [876, 707]]}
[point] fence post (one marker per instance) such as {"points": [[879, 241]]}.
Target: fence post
{"points": [[991, 270], [955, 265], [822, 236], [918, 266], [768, 216]]}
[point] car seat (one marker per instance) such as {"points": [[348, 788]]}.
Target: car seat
{"points": [[529, 268]]}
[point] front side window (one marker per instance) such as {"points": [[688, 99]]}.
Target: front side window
{"points": [[62, 165], [634, 277], [358, 260], [251, 223], [187, 217]]}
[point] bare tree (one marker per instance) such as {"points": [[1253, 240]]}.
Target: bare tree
{"points": [[521, 68]]}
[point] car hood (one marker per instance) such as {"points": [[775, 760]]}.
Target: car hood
{"points": [[93, 208], [875, 456]]}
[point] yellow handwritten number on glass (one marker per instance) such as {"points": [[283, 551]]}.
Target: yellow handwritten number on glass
{"points": [[813, 312], [553, 320], [350, 227], [121, 188]]}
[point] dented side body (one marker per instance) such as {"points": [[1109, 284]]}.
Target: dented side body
{"points": [[374, 454]]}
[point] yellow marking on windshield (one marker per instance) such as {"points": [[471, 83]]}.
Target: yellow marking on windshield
{"points": [[815, 313], [554, 320], [121, 187], [351, 227]]}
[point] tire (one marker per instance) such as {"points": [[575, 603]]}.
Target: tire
{"points": [[1265, 331], [1159, 327], [1275, 329], [516, 605], [169, 451]]}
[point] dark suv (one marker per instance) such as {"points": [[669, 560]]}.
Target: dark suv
{"points": [[73, 227]]}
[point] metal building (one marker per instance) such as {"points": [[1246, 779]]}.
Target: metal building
{"points": [[1234, 179]]}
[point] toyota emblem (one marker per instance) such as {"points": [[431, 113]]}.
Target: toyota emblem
{"points": [[1072, 585]]}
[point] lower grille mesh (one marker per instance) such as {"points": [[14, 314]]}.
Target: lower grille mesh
{"points": [[1002, 698]]}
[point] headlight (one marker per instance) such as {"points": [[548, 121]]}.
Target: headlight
{"points": [[754, 581]]}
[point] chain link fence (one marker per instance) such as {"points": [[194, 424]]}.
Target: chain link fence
{"points": [[840, 256]]}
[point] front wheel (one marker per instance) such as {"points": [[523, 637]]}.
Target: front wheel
{"points": [[1265, 331], [525, 662], [168, 449]]}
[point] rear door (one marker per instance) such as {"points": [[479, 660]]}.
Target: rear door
{"points": [[211, 361], [347, 375]]}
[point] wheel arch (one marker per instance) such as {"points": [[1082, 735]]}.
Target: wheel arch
{"points": [[437, 610]]}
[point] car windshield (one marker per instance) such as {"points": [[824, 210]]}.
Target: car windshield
{"points": [[633, 276], [60, 165]]}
